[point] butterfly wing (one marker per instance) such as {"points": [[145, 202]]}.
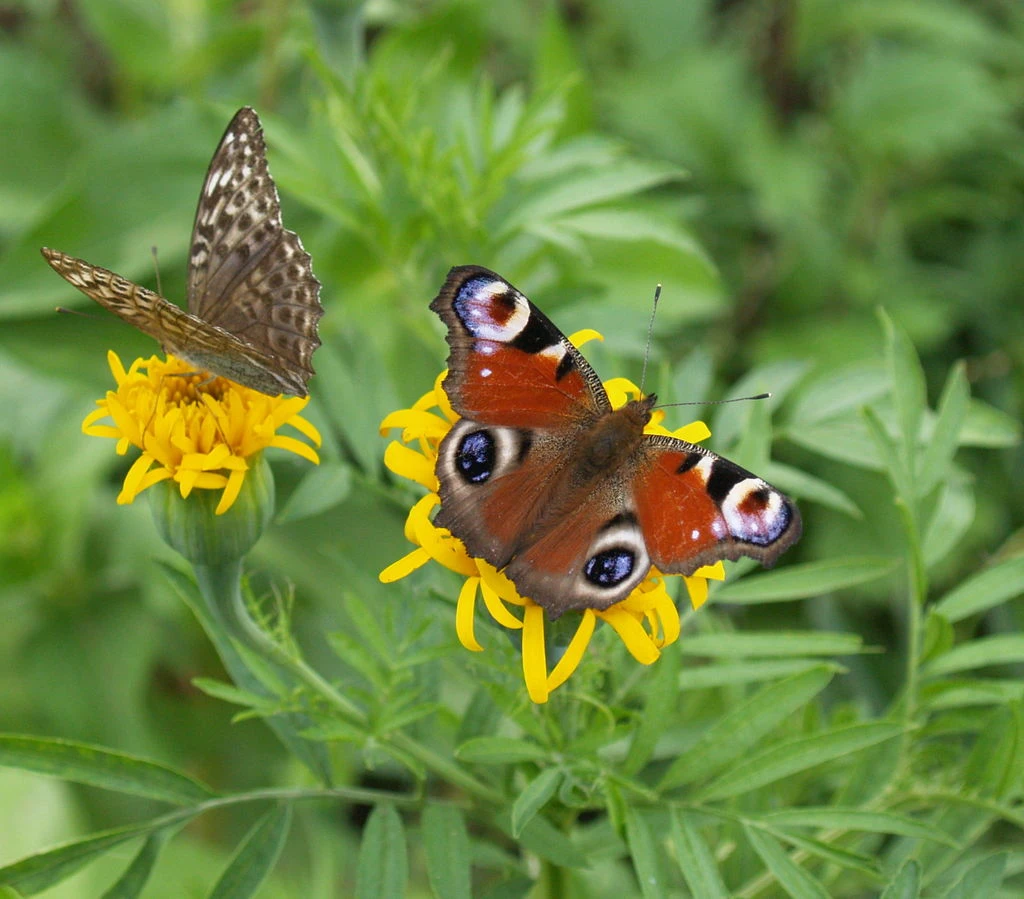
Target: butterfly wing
{"points": [[247, 273], [696, 508], [509, 365]]}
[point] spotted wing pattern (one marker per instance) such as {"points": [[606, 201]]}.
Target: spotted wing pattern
{"points": [[247, 273]]}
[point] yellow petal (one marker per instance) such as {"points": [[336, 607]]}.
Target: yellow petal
{"points": [[714, 572], [297, 447], [231, 491], [632, 634], [306, 428], [404, 566], [464, 611], [410, 464], [116, 367], [697, 587], [534, 659], [694, 432], [497, 608], [573, 654], [584, 335]]}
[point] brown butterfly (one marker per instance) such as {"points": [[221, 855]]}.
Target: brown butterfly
{"points": [[542, 478], [253, 300]]}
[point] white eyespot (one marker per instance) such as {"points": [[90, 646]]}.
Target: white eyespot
{"points": [[763, 522], [485, 373], [616, 562], [475, 305], [695, 534]]}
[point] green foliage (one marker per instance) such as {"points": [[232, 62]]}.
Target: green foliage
{"points": [[851, 724]]}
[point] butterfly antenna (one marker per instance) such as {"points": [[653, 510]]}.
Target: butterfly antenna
{"points": [[735, 399], [156, 269], [650, 336]]}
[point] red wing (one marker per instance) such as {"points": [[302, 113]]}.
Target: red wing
{"points": [[696, 508], [509, 365]]}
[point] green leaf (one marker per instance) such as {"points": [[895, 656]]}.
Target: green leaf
{"points": [[847, 441], [906, 379], [950, 520], [941, 445], [793, 756], [890, 452], [839, 393], [99, 767], [131, 884], [906, 884], [980, 653], [984, 878], [994, 765], [983, 591], [499, 751], [256, 856], [809, 488], [35, 873], [324, 487], [790, 876], [534, 797], [657, 714], [542, 838], [729, 673], [842, 819], [854, 861], [644, 852], [989, 427], [229, 693], [772, 644], [447, 850], [745, 725], [806, 580], [383, 866], [695, 859]]}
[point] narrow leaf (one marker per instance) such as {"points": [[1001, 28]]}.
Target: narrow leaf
{"points": [[131, 884], [695, 859], [945, 436], [256, 856], [803, 581], [909, 393], [980, 653], [383, 864], [99, 767], [785, 759], [771, 644], [660, 702], [534, 797], [446, 845], [984, 591], [833, 818], [644, 852], [906, 884], [730, 673], [744, 726], [322, 488], [982, 879], [790, 876], [542, 838], [499, 751]]}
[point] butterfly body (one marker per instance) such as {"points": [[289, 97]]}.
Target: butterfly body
{"points": [[253, 300], [544, 479]]}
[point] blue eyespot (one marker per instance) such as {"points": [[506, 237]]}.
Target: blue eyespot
{"points": [[474, 457], [610, 567]]}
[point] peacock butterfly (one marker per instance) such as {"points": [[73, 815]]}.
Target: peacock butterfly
{"points": [[541, 477]]}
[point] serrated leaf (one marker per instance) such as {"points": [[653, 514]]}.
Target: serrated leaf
{"points": [[99, 767], [695, 859], [447, 850], [983, 591], [771, 644], [499, 751], [534, 798], [833, 818], [743, 726], [383, 868], [325, 486], [793, 756], [644, 852], [132, 882], [942, 444], [256, 856], [806, 580], [789, 875], [980, 653], [906, 884]]}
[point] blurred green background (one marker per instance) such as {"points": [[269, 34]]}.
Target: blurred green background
{"points": [[783, 167]]}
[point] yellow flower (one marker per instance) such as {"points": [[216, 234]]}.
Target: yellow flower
{"points": [[646, 620], [195, 430]]}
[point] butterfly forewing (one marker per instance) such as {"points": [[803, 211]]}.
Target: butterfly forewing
{"points": [[254, 303], [247, 273]]}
